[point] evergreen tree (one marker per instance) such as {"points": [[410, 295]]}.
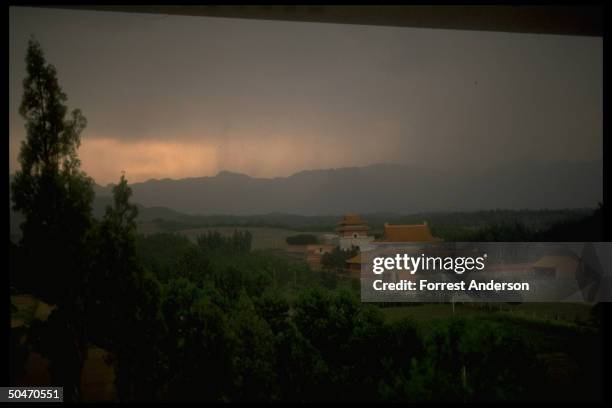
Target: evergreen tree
{"points": [[113, 273], [50, 190], [55, 198], [123, 304]]}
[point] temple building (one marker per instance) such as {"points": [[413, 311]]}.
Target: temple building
{"points": [[353, 232], [408, 233], [419, 233]]}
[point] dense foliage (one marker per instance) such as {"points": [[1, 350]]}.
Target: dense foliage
{"points": [[536, 220], [583, 228], [336, 259], [302, 239], [239, 241]]}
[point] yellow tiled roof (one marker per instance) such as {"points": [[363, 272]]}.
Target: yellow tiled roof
{"points": [[351, 219], [408, 233]]}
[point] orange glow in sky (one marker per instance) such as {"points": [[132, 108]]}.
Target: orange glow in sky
{"points": [[104, 159]]}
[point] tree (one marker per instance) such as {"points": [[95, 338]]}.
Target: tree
{"points": [[253, 354], [239, 241], [302, 239], [336, 259], [123, 301], [111, 281], [50, 190], [55, 198]]}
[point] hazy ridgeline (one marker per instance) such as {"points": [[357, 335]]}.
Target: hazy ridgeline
{"points": [[450, 225], [380, 188]]}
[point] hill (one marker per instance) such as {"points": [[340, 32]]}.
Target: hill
{"points": [[380, 188]]}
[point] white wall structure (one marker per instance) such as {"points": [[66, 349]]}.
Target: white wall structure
{"points": [[353, 232]]}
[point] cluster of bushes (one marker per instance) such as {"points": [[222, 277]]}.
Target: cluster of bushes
{"points": [[231, 330], [336, 259], [302, 239], [537, 220], [582, 228], [239, 241], [225, 337]]}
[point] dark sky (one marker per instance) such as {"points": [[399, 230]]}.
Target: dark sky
{"points": [[172, 96]]}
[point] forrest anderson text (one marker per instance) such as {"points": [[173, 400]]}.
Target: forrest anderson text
{"points": [[423, 284]]}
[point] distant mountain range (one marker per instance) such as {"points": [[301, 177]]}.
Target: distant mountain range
{"points": [[382, 193], [379, 188]]}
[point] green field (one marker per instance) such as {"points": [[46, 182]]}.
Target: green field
{"points": [[562, 312], [263, 237]]}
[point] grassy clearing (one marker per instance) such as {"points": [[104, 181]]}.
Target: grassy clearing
{"points": [[527, 315], [570, 312], [97, 378], [263, 237], [28, 309], [426, 313]]}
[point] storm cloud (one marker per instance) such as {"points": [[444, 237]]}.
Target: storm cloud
{"points": [[174, 96]]}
